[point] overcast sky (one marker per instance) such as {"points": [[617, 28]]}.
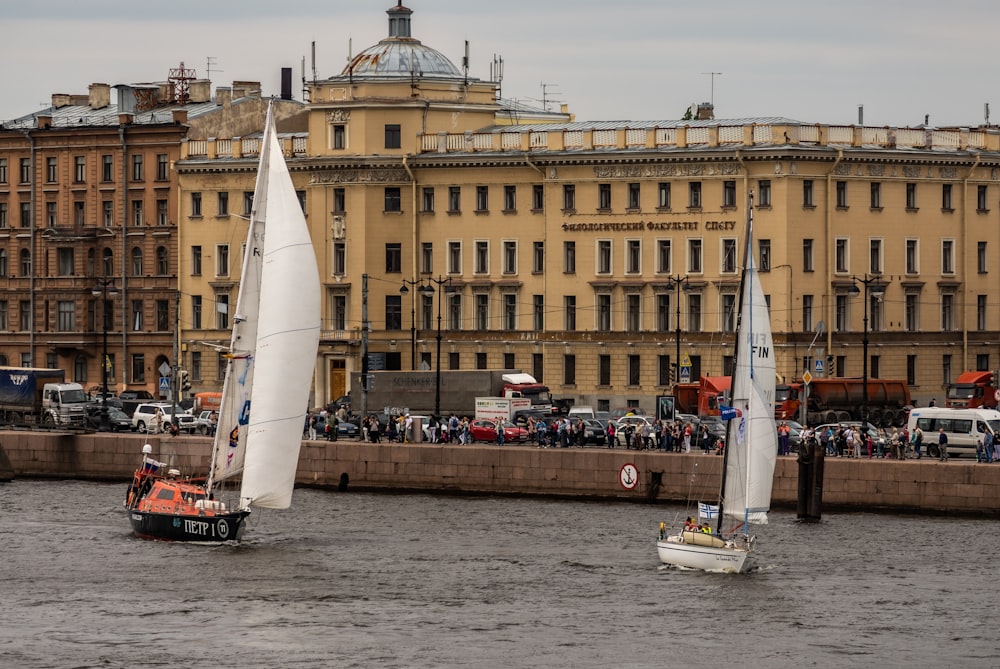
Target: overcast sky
{"points": [[608, 60]]}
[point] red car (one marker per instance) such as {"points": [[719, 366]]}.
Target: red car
{"points": [[486, 430]]}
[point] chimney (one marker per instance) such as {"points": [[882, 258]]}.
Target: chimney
{"points": [[180, 116], [61, 99], [100, 96], [223, 96], [246, 89], [286, 83], [200, 91], [706, 111], [44, 121]]}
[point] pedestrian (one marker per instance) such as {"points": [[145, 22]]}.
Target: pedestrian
{"points": [[942, 445], [500, 435], [988, 446], [687, 437], [918, 440], [612, 432]]}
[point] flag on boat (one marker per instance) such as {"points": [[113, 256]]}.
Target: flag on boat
{"points": [[707, 511]]}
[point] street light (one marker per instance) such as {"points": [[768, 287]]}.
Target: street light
{"points": [[675, 283], [413, 317], [429, 290], [103, 289], [875, 287]]}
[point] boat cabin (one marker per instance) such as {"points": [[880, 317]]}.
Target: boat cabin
{"points": [[176, 497]]}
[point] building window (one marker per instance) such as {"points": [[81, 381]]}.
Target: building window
{"points": [[604, 369], [634, 368], [569, 197], [138, 368], [982, 362], [161, 212], [634, 200], [841, 195], [4, 222], [911, 312], [537, 197], [51, 170], [510, 198], [393, 258], [26, 214], [3, 263], [604, 256], [728, 193], [876, 195], [247, 203], [222, 260], [728, 256], [911, 370], [393, 312], [694, 256], [25, 170], [807, 255], [427, 257], [108, 263], [947, 256], [24, 309], [569, 257], [195, 205], [633, 256], [694, 312], [912, 256], [339, 259], [340, 136], [338, 312], [982, 199], [454, 199], [163, 316], [841, 313], [482, 258], [764, 192], [807, 193], [162, 167], [538, 312], [875, 256], [107, 168], [482, 307], [454, 257], [137, 218], [807, 313], [694, 195], [569, 369], [946, 203], [196, 371], [663, 196], [51, 218], [764, 247], [510, 311], [728, 312], [510, 257], [663, 263], [66, 316], [79, 214], [633, 312], [393, 199], [3, 170], [981, 312], [196, 312], [393, 136], [480, 360], [79, 169], [482, 198], [569, 312], [137, 309], [196, 261], [340, 200], [663, 312], [604, 197], [137, 168], [911, 196], [455, 312], [66, 261], [981, 257], [947, 312], [841, 259], [137, 261], [538, 257], [222, 203]]}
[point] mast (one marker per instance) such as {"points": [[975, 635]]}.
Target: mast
{"points": [[730, 432]]}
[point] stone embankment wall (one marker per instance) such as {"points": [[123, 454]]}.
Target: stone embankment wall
{"points": [[960, 485]]}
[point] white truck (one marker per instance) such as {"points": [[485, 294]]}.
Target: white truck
{"points": [[41, 396], [500, 408]]}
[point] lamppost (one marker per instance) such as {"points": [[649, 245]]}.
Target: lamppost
{"points": [[103, 289], [413, 317], [875, 287], [429, 290], [675, 283]]}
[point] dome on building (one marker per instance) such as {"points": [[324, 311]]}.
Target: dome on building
{"points": [[400, 55]]}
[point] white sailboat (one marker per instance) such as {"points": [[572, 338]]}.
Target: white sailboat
{"points": [[751, 442], [269, 371]]}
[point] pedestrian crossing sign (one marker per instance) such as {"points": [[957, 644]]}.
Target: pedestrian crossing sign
{"points": [[819, 365]]}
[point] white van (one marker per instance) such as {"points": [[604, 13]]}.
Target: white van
{"points": [[964, 427], [581, 411]]}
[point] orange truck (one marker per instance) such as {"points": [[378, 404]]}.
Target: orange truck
{"points": [[703, 398], [842, 399], [972, 390]]}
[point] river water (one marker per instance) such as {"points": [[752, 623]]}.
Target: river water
{"points": [[379, 580]]}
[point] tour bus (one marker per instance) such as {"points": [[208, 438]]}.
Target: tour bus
{"points": [[964, 427]]}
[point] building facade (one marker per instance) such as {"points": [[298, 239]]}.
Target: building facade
{"points": [[599, 256]]}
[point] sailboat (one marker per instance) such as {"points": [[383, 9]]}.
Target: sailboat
{"points": [[751, 442], [269, 371]]}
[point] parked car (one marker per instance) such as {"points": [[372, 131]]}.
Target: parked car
{"points": [[349, 430], [204, 423], [144, 413], [716, 427], [625, 411], [593, 432], [622, 424], [486, 430], [117, 420]]}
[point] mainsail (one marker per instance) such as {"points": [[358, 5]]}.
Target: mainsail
{"points": [[752, 440]]}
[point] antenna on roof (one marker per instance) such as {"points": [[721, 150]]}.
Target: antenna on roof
{"points": [[986, 112], [209, 62], [465, 62], [711, 99], [496, 73]]}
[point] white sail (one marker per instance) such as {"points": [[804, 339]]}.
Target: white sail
{"points": [[752, 440], [287, 335]]}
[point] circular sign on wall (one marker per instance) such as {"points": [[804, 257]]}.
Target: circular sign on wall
{"points": [[628, 476]]}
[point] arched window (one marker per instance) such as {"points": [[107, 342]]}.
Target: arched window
{"points": [[136, 261], [25, 262], [109, 263], [3, 360], [162, 264], [3, 262]]}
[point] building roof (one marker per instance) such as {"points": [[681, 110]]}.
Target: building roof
{"points": [[72, 116], [616, 125]]}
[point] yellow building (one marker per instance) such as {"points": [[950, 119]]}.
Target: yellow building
{"points": [[594, 255]]}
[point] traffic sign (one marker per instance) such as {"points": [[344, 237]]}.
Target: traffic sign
{"points": [[685, 373], [164, 383], [807, 378], [819, 365], [685, 360]]}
